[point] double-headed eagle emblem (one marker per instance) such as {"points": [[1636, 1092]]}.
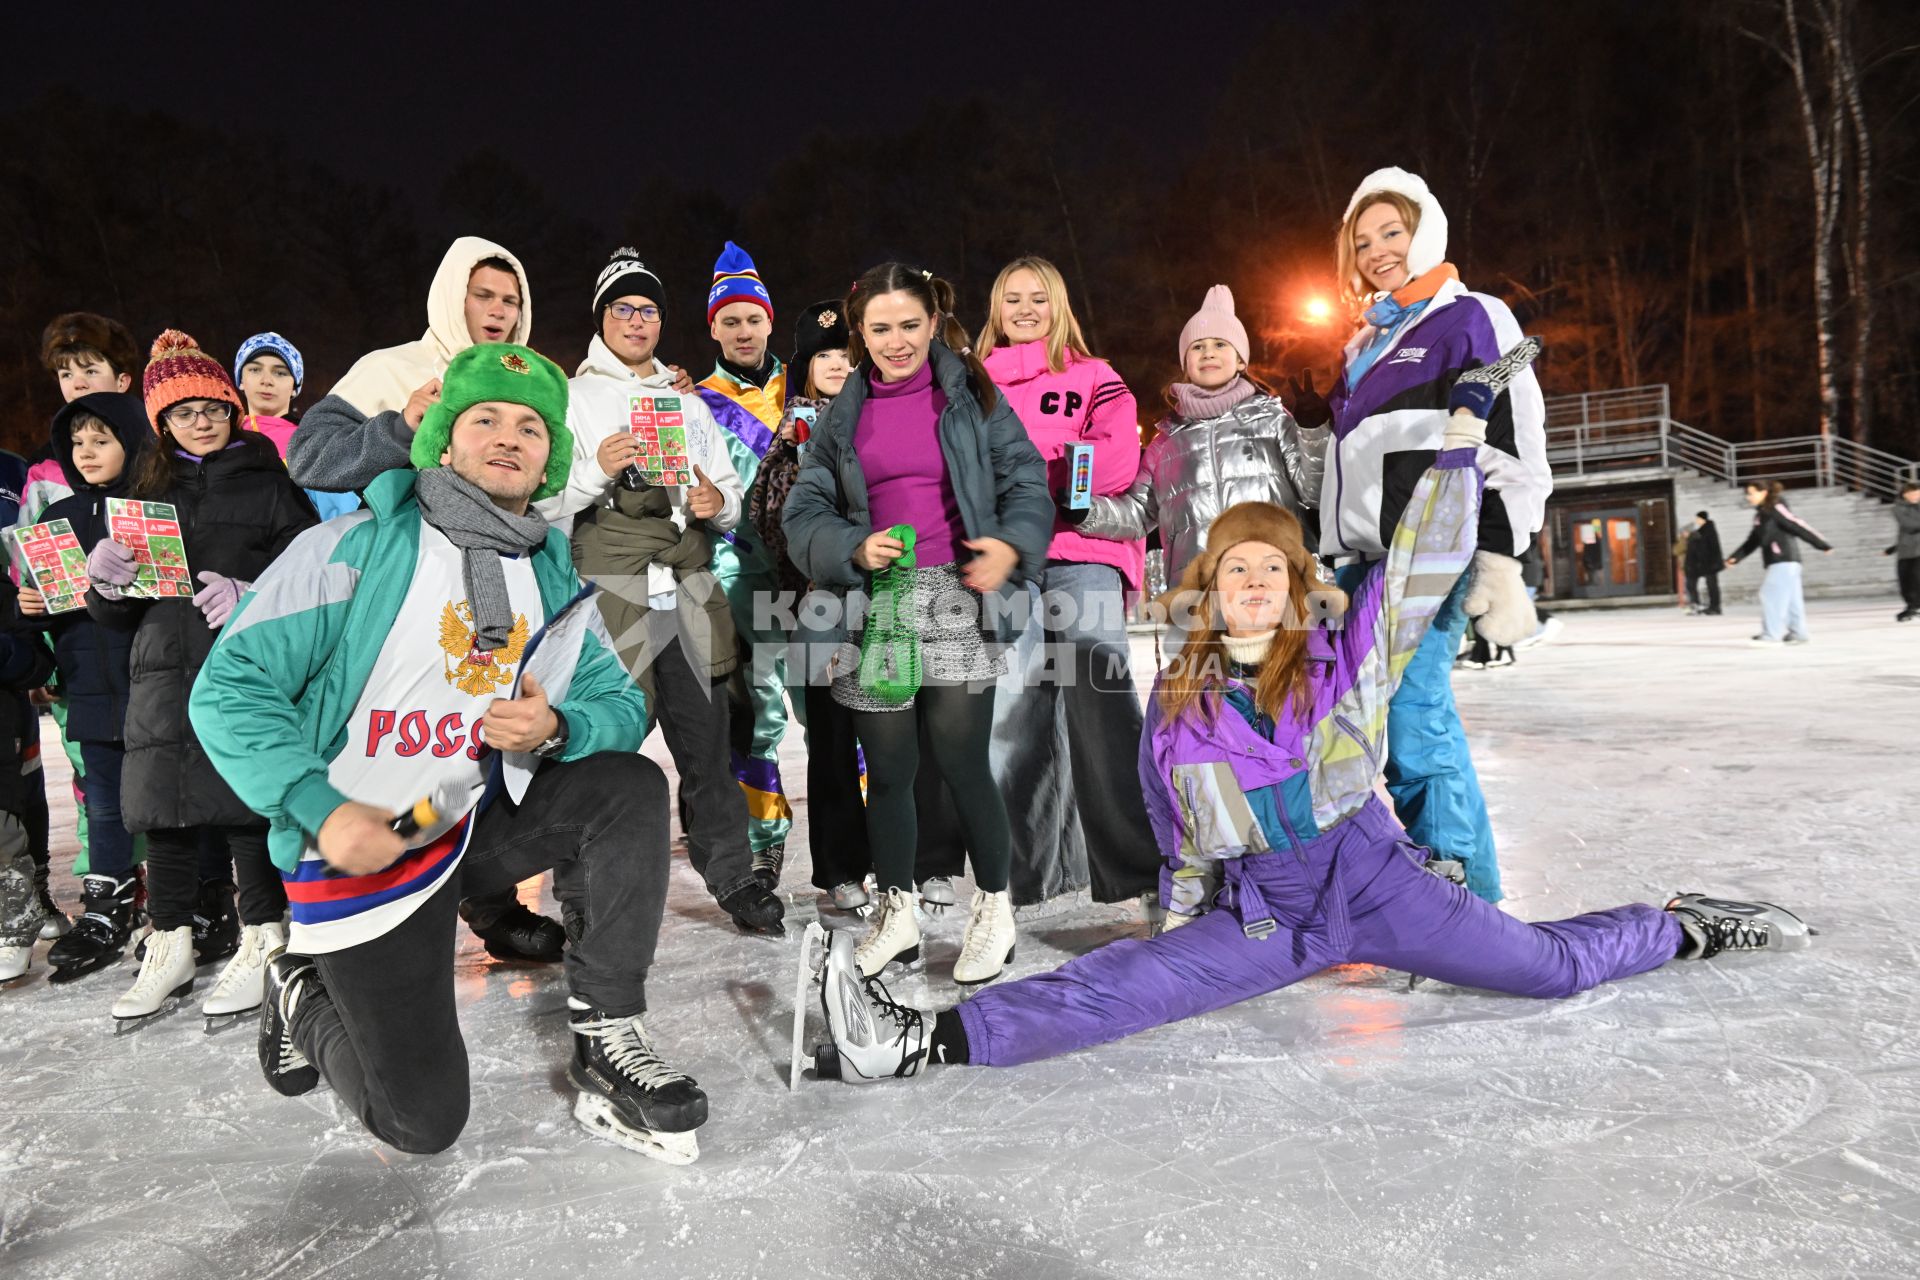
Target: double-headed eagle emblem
{"points": [[480, 671]]}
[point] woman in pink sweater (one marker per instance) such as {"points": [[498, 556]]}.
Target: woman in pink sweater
{"points": [[1072, 726]]}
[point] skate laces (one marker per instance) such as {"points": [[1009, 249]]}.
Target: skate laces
{"points": [[1735, 933], [625, 1044], [905, 1017], [154, 970], [979, 931], [287, 1057], [252, 954]]}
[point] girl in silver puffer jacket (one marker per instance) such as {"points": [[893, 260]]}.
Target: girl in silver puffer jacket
{"points": [[1227, 441]]}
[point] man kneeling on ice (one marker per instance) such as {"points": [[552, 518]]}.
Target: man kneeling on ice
{"points": [[390, 655]]}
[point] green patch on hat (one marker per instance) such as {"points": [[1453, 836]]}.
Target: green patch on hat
{"points": [[504, 373]]}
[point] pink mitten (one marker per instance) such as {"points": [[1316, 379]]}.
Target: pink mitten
{"points": [[217, 599]]}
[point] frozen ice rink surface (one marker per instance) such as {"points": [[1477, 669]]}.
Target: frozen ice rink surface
{"points": [[1747, 1117]]}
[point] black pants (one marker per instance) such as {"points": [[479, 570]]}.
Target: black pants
{"points": [[1712, 603], [38, 821], [1101, 815], [1909, 571], [693, 715], [836, 811], [959, 731], [180, 859], [386, 1034]]}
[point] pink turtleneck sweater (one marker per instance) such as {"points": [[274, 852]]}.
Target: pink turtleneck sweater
{"points": [[898, 443]]}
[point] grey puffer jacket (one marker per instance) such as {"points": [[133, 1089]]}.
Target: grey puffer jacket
{"points": [[1198, 467], [997, 475]]}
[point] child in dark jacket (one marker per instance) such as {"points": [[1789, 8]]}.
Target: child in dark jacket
{"points": [[98, 439], [237, 511]]}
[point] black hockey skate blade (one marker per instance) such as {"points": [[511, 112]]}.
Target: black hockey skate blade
{"points": [[63, 974]]}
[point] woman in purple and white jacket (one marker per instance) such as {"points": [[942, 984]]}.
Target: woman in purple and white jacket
{"points": [[1263, 743]]}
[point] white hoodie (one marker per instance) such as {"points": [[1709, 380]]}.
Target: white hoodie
{"points": [[598, 406], [384, 380]]}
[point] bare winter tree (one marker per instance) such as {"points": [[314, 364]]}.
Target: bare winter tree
{"points": [[1814, 42]]}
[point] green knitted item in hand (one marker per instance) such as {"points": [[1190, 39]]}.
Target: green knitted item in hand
{"points": [[890, 649]]}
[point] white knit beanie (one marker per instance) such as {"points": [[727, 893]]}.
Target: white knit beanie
{"points": [[1429, 248], [1215, 319]]}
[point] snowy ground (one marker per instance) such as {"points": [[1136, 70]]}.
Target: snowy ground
{"points": [[1750, 1117]]}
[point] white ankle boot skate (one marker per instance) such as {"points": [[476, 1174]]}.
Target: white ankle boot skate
{"points": [[895, 934], [167, 971], [989, 942], [241, 983]]}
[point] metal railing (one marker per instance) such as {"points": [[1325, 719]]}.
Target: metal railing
{"points": [[1634, 427]]}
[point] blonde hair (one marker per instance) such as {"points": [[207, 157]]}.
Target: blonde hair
{"points": [[1347, 261], [1063, 336]]}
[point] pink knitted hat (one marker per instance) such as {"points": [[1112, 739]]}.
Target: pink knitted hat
{"points": [[1215, 319]]}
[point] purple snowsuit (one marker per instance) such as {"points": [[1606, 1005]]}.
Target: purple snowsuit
{"points": [[1313, 869]]}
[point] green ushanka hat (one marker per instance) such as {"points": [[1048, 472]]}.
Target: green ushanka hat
{"points": [[510, 374]]}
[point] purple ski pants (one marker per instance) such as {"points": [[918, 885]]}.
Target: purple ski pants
{"points": [[1357, 893]]}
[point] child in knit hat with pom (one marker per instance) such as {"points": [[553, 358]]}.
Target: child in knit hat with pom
{"points": [[1229, 439], [237, 510]]}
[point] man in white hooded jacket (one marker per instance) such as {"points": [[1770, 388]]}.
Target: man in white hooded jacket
{"points": [[644, 540], [365, 426]]}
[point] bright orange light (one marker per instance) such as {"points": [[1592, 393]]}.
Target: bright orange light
{"points": [[1319, 309]]}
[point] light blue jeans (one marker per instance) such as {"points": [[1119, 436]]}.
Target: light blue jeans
{"points": [[1783, 609]]}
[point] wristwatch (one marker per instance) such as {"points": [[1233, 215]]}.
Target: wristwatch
{"points": [[554, 745]]}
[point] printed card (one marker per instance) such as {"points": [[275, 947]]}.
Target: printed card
{"points": [[51, 558], [151, 530], [660, 425]]}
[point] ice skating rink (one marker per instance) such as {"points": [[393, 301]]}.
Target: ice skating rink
{"points": [[1758, 1116]]}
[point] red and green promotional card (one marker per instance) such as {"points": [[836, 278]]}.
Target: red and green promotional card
{"points": [[51, 558], [660, 425], [151, 530]]}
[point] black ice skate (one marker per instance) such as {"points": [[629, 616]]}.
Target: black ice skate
{"points": [[755, 910], [520, 934], [1714, 925], [874, 1037], [290, 981], [768, 864], [99, 937], [628, 1095], [216, 923]]}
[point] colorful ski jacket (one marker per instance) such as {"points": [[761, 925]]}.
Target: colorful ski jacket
{"points": [[1387, 427], [749, 417], [1085, 403], [1222, 781], [274, 698]]}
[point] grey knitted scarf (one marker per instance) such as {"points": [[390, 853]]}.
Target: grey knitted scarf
{"points": [[483, 532]]}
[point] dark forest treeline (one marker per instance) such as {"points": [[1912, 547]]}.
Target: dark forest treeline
{"points": [[1632, 178]]}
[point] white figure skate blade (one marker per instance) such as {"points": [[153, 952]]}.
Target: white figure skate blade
{"points": [[597, 1116], [805, 972]]}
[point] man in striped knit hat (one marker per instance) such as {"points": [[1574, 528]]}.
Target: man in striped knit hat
{"points": [[390, 655], [747, 392]]}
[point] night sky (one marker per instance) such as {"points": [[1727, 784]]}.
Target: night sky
{"points": [[226, 169], [398, 92]]}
